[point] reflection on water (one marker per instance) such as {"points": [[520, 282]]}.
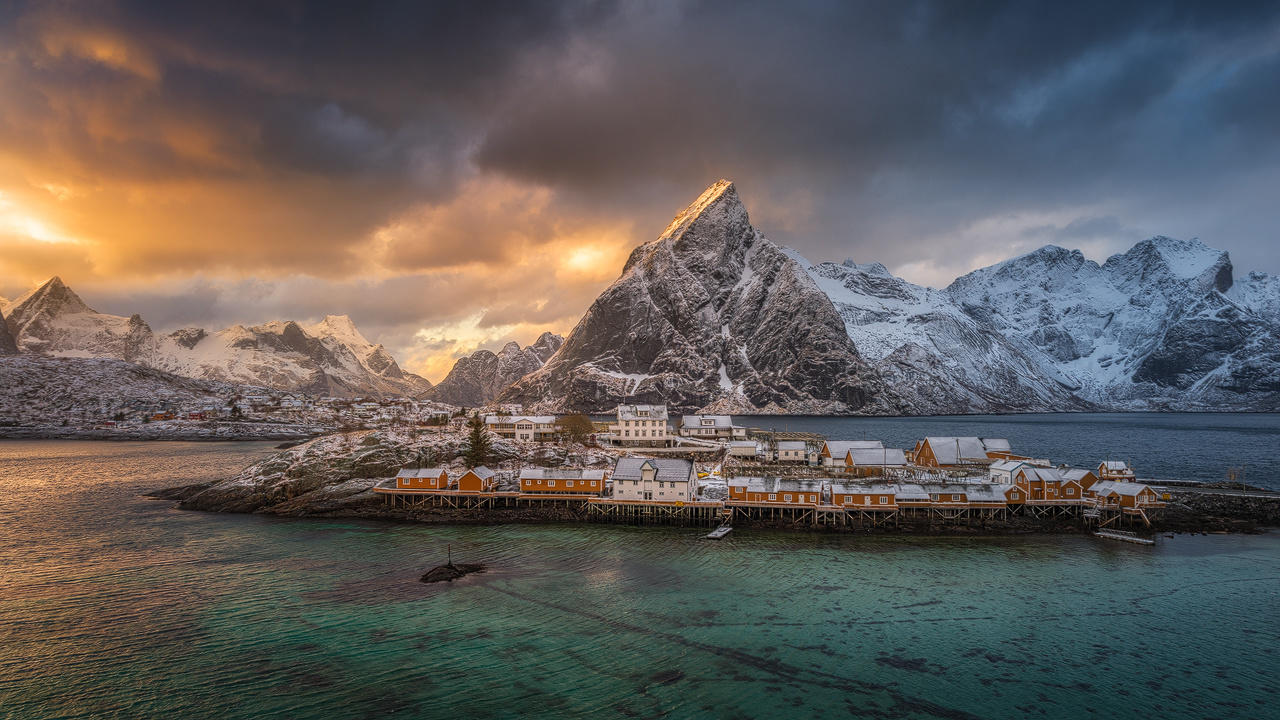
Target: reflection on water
{"points": [[113, 605]]}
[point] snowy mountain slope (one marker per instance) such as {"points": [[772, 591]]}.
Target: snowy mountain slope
{"points": [[1155, 327], [483, 375], [940, 359], [710, 314], [333, 359]]}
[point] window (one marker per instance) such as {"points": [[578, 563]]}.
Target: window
{"points": [[527, 482], [786, 498], [568, 483], [1013, 496], [955, 498], [551, 483], [773, 497], [1071, 491], [593, 483], [884, 500]]}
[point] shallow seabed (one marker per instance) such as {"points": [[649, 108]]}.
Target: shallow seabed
{"points": [[114, 605]]}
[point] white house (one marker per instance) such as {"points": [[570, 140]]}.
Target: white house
{"points": [[792, 451], [653, 479], [743, 448], [641, 426], [711, 427], [522, 427]]}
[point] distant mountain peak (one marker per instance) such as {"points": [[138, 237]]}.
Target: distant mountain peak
{"points": [[52, 297], [342, 329]]}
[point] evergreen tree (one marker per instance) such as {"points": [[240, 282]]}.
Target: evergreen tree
{"points": [[478, 446]]}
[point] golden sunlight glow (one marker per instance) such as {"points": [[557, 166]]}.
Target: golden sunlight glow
{"points": [[585, 258], [16, 221]]}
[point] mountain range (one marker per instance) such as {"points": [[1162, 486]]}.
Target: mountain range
{"points": [[483, 375], [328, 358], [712, 315]]}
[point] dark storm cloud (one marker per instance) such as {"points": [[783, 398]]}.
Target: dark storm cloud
{"points": [[917, 117]]}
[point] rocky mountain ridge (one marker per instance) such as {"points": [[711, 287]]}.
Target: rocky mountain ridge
{"points": [[483, 375], [328, 358]]}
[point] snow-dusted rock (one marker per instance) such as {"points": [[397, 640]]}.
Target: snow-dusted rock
{"points": [[711, 313], [483, 375], [1158, 327], [329, 358], [937, 357], [337, 472]]}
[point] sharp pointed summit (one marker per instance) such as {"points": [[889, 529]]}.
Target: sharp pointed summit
{"points": [[710, 313]]}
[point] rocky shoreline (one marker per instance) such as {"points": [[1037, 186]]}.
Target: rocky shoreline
{"points": [[334, 476]]}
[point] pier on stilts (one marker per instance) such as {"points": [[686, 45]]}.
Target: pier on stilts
{"points": [[714, 513]]}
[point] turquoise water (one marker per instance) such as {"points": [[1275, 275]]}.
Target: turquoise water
{"points": [[114, 605], [1171, 446]]}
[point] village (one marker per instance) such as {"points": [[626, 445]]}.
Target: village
{"points": [[705, 470]]}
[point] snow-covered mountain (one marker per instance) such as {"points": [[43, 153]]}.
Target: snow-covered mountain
{"points": [[1160, 326], [329, 358], [483, 375], [939, 359], [710, 314]]}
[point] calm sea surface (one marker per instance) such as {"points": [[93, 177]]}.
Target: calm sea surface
{"points": [[1170, 446], [114, 605]]}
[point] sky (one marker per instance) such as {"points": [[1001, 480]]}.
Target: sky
{"points": [[455, 176]]}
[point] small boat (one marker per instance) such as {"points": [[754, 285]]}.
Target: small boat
{"points": [[1124, 536], [719, 532]]}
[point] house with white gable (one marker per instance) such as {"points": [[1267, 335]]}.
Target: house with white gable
{"points": [[653, 479], [641, 426], [522, 427], [711, 427]]}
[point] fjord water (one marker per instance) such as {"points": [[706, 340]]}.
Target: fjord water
{"points": [[116, 605]]}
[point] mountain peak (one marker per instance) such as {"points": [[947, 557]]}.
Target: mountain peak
{"points": [[1183, 259], [720, 198], [341, 329], [53, 298]]}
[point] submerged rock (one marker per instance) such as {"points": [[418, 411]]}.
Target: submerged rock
{"points": [[451, 571]]}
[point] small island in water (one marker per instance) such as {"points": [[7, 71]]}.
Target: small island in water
{"points": [[641, 467]]}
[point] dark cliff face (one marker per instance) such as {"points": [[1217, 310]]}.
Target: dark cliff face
{"points": [[8, 346], [709, 314]]}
